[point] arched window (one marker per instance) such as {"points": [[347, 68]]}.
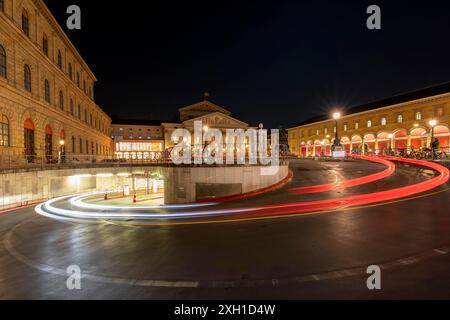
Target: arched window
{"points": [[71, 107], [27, 78], [4, 131], [3, 67], [45, 44], [70, 71], [59, 59], [47, 90], [61, 100], [25, 23]]}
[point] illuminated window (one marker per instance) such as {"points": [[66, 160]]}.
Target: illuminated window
{"points": [[345, 127], [418, 115], [325, 131], [4, 131], [317, 132], [383, 121], [369, 123], [356, 125], [399, 118]]}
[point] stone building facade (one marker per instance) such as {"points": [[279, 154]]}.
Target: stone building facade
{"points": [[142, 139], [46, 89], [400, 122]]}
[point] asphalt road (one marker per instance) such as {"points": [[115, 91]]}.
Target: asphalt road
{"points": [[324, 255]]}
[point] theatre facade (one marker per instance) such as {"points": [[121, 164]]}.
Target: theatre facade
{"points": [[148, 139], [402, 122], [47, 104]]}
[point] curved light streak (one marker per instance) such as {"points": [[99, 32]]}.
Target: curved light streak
{"points": [[78, 202], [350, 183], [281, 209]]}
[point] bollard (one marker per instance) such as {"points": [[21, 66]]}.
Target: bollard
{"points": [[106, 196], [134, 198]]}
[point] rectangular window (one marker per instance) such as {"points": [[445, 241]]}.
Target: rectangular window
{"points": [[345, 127], [418, 115], [399, 118], [369, 123], [383, 121], [356, 125]]}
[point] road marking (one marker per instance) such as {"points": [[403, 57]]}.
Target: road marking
{"points": [[332, 275]]}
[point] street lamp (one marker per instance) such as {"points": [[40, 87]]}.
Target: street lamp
{"points": [[432, 124], [61, 150], [336, 117]]}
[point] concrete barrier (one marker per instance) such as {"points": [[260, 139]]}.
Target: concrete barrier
{"points": [[181, 184]]}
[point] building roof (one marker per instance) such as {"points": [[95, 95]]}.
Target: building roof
{"points": [[136, 122], [401, 98]]}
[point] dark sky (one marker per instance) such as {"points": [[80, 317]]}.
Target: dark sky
{"points": [[276, 62]]}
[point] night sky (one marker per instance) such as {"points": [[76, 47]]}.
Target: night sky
{"points": [[275, 62]]}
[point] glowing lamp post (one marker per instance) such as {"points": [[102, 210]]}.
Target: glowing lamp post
{"points": [[337, 142], [61, 150], [432, 124]]}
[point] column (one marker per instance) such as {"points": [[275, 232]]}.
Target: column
{"points": [[408, 144]]}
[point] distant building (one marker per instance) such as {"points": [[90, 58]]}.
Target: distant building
{"points": [[142, 139], [399, 122], [46, 88]]}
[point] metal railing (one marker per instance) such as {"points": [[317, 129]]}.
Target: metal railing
{"points": [[442, 154], [39, 162]]}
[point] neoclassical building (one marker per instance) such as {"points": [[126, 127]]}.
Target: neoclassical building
{"points": [[399, 122], [46, 88], [144, 139]]}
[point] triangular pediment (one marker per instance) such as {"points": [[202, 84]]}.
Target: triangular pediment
{"points": [[217, 120], [205, 106]]}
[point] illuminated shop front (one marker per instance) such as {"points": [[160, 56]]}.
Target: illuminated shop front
{"points": [[139, 150]]}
